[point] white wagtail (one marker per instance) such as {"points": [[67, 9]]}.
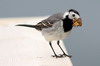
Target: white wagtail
{"points": [[57, 27]]}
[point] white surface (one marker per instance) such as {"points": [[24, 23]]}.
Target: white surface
{"points": [[22, 46]]}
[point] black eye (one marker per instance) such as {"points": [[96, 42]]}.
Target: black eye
{"points": [[73, 15]]}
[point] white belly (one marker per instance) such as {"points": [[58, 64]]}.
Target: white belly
{"points": [[55, 36], [54, 33]]}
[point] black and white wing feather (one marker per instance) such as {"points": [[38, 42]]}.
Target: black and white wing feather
{"points": [[47, 23]]}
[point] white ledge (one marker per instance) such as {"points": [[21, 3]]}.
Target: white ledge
{"points": [[21, 46]]}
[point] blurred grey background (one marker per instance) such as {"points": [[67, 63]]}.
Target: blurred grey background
{"points": [[84, 42]]}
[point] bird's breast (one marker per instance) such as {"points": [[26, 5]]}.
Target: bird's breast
{"points": [[54, 33]]}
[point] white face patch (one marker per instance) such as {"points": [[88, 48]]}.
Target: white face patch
{"points": [[73, 15], [65, 14]]}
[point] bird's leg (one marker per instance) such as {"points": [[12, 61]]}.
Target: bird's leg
{"points": [[55, 55], [62, 50]]}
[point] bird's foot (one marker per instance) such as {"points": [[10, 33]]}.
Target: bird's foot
{"points": [[57, 56], [67, 55], [61, 55]]}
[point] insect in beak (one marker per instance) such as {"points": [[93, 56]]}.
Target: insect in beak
{"points": [[77, 22]]}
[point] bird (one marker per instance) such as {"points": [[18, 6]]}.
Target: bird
{"points": [[57, 27]]}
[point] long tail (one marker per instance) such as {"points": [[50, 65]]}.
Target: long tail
{"points": [[32, 26]]}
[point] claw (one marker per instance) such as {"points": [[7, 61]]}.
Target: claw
{"points": [[61, 55], [67, 55], [57, 56]]}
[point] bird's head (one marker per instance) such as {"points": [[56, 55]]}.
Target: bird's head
{"points": [[74, 16]]}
